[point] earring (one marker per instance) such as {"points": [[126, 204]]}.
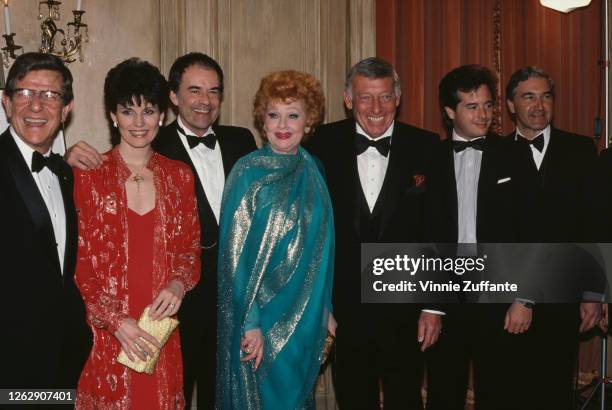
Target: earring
{"points": [[115, 124], [307, 130], [161, 123]]}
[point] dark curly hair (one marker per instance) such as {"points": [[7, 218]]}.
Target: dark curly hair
{"points": [[288, 86], [465, 78], [133, 79]]}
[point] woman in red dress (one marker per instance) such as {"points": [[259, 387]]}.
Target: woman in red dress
{"points": [[139, 238]]}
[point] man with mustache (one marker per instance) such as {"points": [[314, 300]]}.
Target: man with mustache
{"points": [[196, 89]]}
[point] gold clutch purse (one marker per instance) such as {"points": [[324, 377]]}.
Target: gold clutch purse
{"points": [[327, 347], [159, 329]]}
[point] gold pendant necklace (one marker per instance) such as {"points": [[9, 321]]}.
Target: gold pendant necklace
{"points": [[137, 177]]}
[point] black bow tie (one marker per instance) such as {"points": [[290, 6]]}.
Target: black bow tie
{"points": [[209, 140], [362, 143], [476, 144], [537, 142], [53, 162]]}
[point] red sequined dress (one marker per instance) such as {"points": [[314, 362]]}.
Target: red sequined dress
{"points": [[162, 245]]}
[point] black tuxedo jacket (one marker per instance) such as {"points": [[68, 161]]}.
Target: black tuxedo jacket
{"points": [[563, 209], [501, 195], [235, 142], [45, 336], [604, 195], [501, 205], [400, 204], [564, 204]]}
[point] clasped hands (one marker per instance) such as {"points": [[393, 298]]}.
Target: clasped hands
{"points": [[132, 338], [252, 343]]}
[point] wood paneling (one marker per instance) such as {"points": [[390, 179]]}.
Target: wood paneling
{"points": [[117, 30], [249, 38]]}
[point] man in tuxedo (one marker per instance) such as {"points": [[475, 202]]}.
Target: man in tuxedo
{"points": [[375, 168], [196, 89], [45, 339], [474, 197], [563, 166]]}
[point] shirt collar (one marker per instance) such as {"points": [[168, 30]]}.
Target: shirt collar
{"points": [[387, 133], [545, 131], [457, 137], [25, 149], [189, 132]]}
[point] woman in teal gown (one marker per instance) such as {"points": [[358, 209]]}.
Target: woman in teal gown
{"points": [[276, 251]]}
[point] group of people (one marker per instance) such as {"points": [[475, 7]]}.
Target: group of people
{"points": [[257, 250]]}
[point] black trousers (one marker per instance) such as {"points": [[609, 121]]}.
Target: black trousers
{"points": [[530, 371], [198, 330], [374, 354]]}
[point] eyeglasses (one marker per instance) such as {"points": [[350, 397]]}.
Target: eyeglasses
{"points": [[25, 95]]}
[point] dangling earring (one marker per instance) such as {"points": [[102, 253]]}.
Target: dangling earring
{"points": [[161, 123], [307, 130], [115, 124]]}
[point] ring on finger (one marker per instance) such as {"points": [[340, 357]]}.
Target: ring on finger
{"points": [[172, 305]]}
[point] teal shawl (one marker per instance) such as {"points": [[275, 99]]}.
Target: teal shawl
{"points": [[276, 250]]}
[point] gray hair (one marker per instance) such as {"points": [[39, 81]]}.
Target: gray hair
{"points": [[524, 74], [372, 67]]}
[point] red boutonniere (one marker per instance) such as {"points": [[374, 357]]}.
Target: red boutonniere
{"points": [[419, 180]]}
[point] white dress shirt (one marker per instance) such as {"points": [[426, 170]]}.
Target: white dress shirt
{"points": [[467, 175], [51, 192], [209, 167], [538, 156], [372, 167]]}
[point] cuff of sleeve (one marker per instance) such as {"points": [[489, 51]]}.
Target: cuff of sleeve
{"points": [[115, 323], [435, 312], [593, 297], [180, 279]]}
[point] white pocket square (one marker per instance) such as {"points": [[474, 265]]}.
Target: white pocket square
{"points": [[502, 180]]}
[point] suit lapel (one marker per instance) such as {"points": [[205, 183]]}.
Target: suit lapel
{"points": [[173, 148], [486, 180], [66, 185], [32, 199], [227, 151], [549, 162], [451, 190], [351, 193], [392, 189]]}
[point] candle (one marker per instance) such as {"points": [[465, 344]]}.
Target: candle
{"points": [[79, 5], [7, 18]]}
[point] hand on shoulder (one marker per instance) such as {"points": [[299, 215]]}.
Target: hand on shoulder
{"points": [[84, 157]]}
